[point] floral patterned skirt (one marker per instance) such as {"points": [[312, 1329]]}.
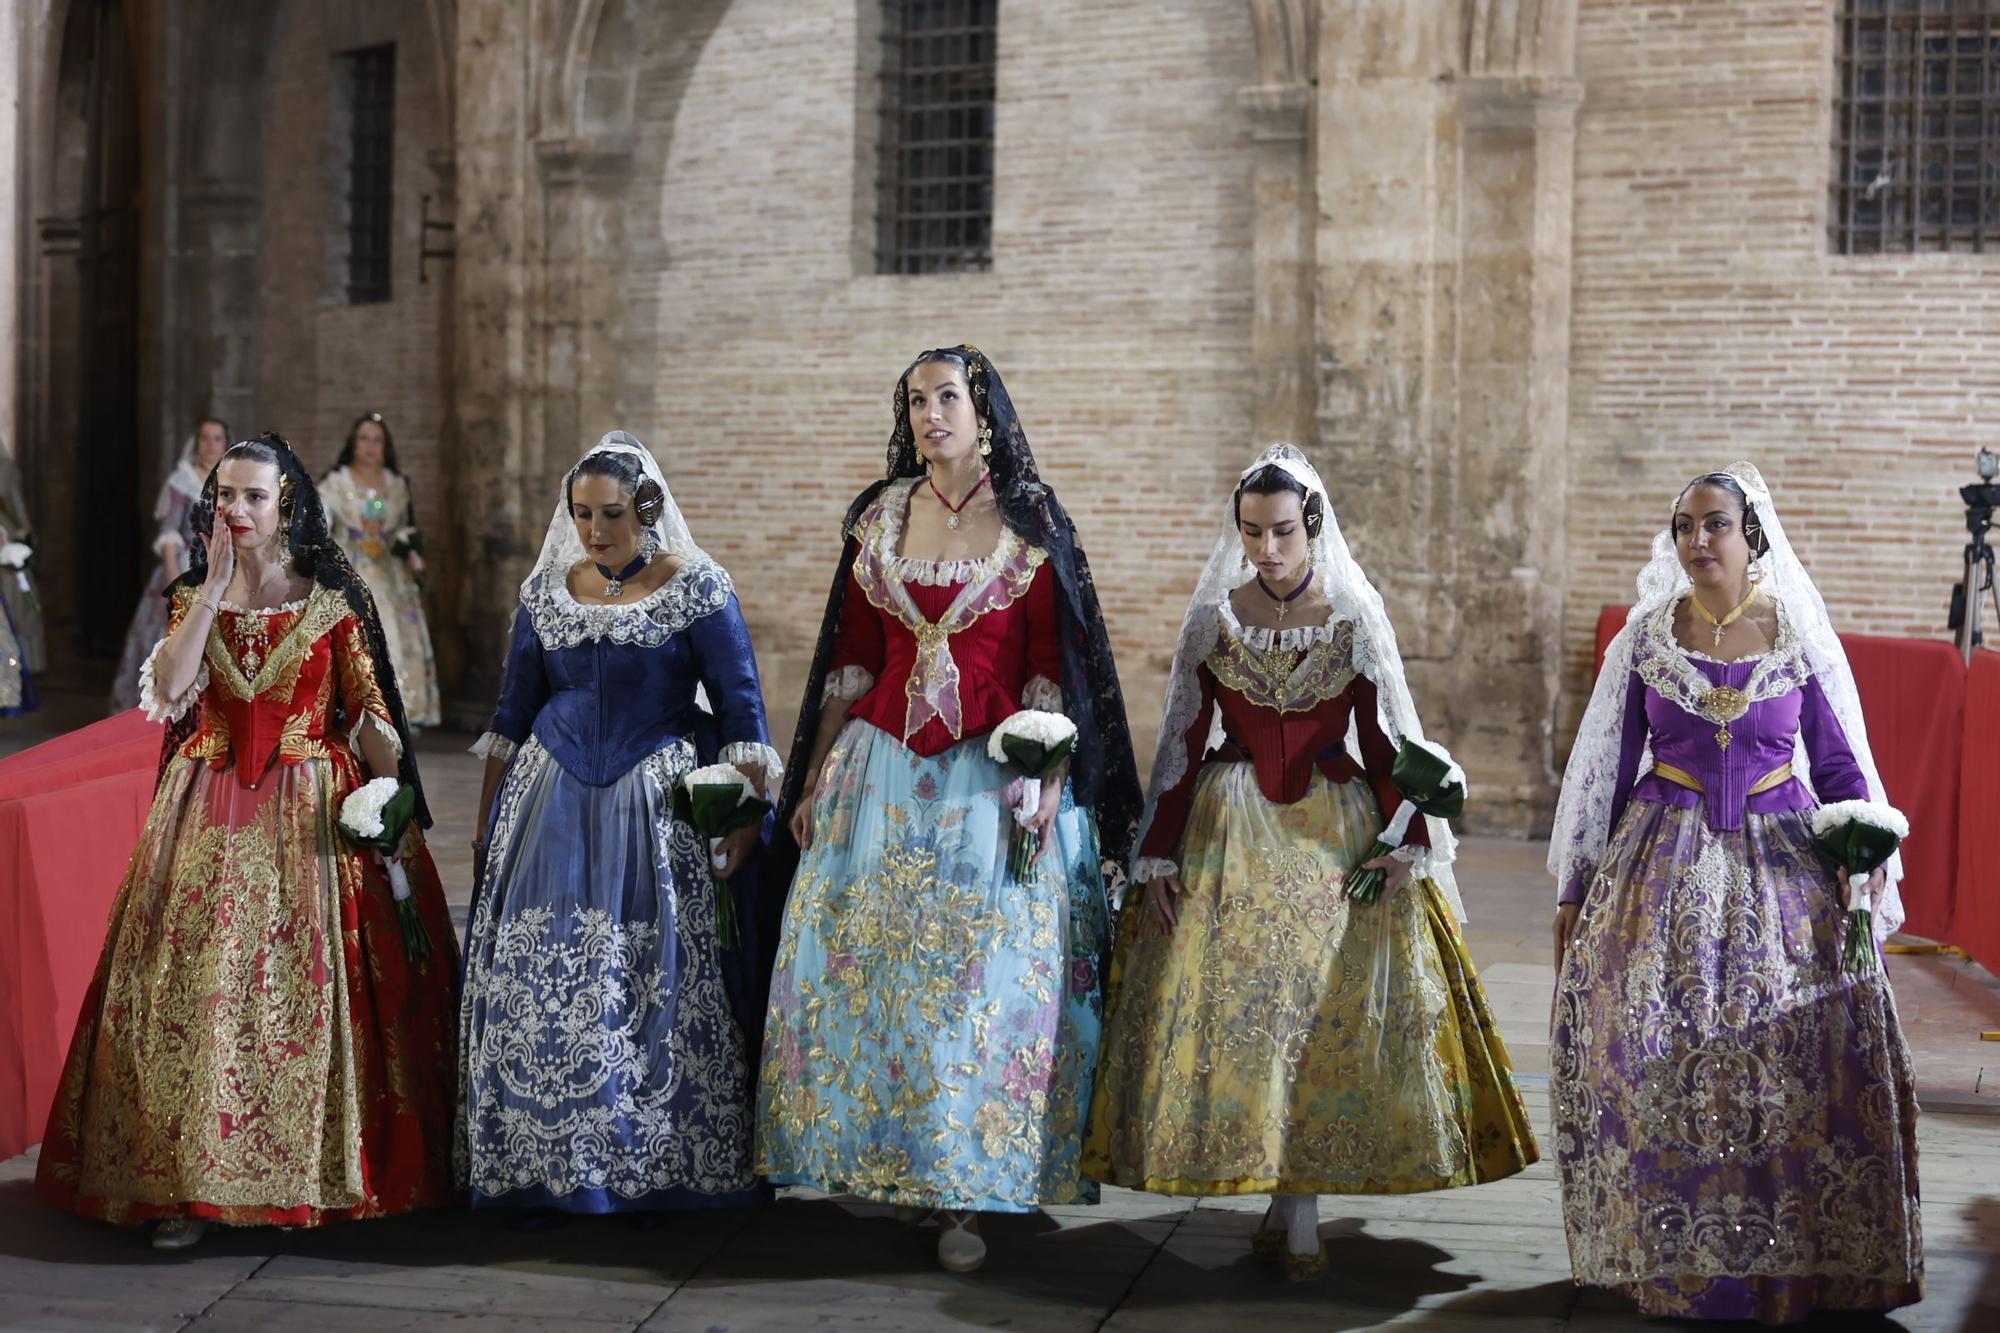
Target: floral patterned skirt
{"points": [[605, 1070], [255, 1047], [1735, 1117], [934, 1021], [1286, 1040]]}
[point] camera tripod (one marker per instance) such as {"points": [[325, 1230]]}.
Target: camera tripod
{"points": [[1970, 598]]}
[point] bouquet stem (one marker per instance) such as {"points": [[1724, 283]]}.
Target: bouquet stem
{"points": [[726, 931], [1858, 952], [1364, 886]]}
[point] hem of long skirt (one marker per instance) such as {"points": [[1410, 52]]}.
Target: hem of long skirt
{"points": [[678, 1199], [933, 1199], [131, 1212], [1184, 1187], [1787, 1299]]}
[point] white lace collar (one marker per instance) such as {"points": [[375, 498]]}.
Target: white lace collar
{"points": [[698, 588], [1264, 640], [1664, 663], [284, 609], [895, 510]]}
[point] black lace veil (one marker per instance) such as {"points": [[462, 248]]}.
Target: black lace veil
{"points": [[316, 555], [1103, 774]]}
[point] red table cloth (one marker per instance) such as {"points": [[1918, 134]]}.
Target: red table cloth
{"points": [[71, 811], [1975, 925]]}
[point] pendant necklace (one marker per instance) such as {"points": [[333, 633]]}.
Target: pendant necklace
{"points": [[1727, 620], [1285, 602], [614, 585], [953, 521]]}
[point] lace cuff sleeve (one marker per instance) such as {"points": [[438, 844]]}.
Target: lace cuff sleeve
{"points": [[1153, 867], [370, 718], [167, 710], [751, 754], [1042, 693], [492, 745], [848, 683]]}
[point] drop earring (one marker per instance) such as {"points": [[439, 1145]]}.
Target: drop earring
{"points": [[986, 441]]}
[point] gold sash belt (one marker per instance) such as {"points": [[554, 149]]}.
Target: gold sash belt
{"points": [[1680, 777]]}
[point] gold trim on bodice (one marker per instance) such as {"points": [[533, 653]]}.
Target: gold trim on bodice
{"points": [[1291, 680]]}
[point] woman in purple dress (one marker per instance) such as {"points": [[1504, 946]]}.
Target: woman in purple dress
{"points": [[1735, 1116]]}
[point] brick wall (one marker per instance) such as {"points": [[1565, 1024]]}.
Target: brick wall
{"points": [[1711, 324], [323, 362], [763, 351]]}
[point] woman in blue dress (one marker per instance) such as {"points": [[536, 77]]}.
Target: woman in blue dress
{"points": [[606, 1064]]}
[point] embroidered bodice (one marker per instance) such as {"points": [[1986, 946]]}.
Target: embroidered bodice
{"points": [[603, 687], [936, 652], [283, 685], [1732, 729], [1287, 699], [364, 520]]}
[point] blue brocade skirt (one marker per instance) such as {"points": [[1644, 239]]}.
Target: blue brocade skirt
{"points": [[934, 1022], [605, 1065]]}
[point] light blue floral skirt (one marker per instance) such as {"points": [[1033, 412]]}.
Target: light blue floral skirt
{"points": [[934, 1022]]}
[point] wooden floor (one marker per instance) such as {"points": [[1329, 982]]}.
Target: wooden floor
{"points": [[1492, 1257]]}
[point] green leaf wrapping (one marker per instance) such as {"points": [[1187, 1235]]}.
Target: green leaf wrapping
{"points": [[1034, 759], [1427, 781], [397, 813], [1860, 847]]}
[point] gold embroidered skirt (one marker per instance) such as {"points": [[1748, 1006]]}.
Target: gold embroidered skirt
{"points": [[1286, 1040]]}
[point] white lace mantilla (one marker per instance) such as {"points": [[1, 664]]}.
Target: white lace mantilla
{"points": [[700, 587]]}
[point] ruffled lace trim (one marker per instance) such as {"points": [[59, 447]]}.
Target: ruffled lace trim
{"points": [[285, 609], [388, 734], [1148, 868], [700, 587], [167, 710], [493, 744], [848, 683], [755, 754], [1667, 665], [1297, 637], [895, 502], [1042, 693]]}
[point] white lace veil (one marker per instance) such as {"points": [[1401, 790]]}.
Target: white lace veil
{"points": [[1351, 597], [561, 548], [186, 477], [1583, 814]]}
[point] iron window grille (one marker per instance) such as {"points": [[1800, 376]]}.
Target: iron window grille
{"points": [[1917, 128], [371, 76], [934, 192]]}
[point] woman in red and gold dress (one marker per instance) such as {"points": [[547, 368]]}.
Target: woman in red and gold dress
{"points": [[934, 1016], [259, 1045]]}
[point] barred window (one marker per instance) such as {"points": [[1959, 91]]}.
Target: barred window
{"points": [[371, 145], [1917, 127], [934, 183]]}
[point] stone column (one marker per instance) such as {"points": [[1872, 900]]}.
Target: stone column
{"points": [[1443, 182], [1280, 110]]}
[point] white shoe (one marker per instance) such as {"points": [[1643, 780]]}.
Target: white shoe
{"points": [[960, 1249], [178, 1233]]}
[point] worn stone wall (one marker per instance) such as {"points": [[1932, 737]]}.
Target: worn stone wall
{"points": [[1712, 323]]}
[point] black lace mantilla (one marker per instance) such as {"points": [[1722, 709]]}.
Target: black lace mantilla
{"points": [[1103, 774], [316, 555]]}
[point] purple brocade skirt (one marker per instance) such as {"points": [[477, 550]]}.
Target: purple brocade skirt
{"points": [[1735, 1117]]}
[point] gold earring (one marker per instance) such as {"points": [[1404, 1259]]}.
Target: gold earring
{"points": [[985, 441]]}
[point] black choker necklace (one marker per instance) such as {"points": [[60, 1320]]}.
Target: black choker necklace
{"points": [[1285, 602], [614, 584]]}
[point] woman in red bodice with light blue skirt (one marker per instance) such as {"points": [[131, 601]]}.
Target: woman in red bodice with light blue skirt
{"points": [[934, 1015]]}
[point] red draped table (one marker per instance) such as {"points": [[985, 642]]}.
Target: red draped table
{"points": [[1935, 731], [71, 811]]}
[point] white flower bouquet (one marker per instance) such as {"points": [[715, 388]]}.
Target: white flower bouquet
{"points": [[376, 815], [717, 801], [16, 555], [1035, 743], [1860, 837]]}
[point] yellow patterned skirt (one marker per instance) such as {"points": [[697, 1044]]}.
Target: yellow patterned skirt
{"points": [[1285, 1040]]}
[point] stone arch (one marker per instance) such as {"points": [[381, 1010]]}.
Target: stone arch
{"points": [[1518, 37]]}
